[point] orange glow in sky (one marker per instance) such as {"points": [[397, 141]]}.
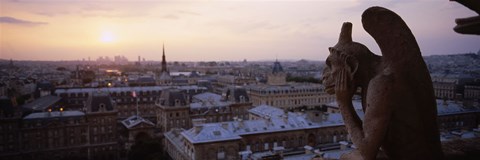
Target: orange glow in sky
{"points": [[211, 30]]}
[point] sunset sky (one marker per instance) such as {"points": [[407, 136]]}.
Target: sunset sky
{"points": [[212, 30]]}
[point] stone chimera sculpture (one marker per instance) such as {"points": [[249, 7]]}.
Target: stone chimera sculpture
{"points": [[396, 90]]}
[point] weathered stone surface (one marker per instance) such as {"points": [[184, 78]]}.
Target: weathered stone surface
{"points": [[396, 90]]}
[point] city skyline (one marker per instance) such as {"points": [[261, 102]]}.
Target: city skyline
{"points": [[212, 30]]}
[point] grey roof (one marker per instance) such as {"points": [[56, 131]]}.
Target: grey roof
{"points": [[180, 81], [207, 104], [164, 76], [267, 111], [54, 114], [135, 120], [210, 133], [98, 100], [42, 103], [236, 94], [145, 80], [233, 129], [208, 100], [451, 107], [311, 87], [123, 89], [170, 97], [277, 67], [207, 96]]}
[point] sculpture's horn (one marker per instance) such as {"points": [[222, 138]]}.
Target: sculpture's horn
{"points": [[345, 33]]}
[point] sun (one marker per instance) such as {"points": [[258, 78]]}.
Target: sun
{"points": [[107, 37]]}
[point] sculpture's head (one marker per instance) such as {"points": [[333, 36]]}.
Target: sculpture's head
{"points": [[346, 62], [339, 71]]}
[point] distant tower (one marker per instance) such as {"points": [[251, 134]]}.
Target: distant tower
{"points": [[164, 61], [278, 76], [138, 62], [163, 78]]}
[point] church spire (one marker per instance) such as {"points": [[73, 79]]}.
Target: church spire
{"points": [[164, 61]]}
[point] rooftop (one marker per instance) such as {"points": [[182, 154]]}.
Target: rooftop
{"points": [[313, 87], [207, 96], [54, 114], [232, 130], [209, 133], [267, 111], [452, 107], [124, 89], [134, 120], [42, 103]]}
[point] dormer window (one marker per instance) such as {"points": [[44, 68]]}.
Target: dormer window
{"points": [[177, 102], [242, 98], [101, 107]]}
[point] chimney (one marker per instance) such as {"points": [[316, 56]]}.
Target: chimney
{"points": [[198, 121], [225, 126], [240, 123], [308, 149], [325, 116], [268, 120], [319, 153], [343, 145], [198, 128]]}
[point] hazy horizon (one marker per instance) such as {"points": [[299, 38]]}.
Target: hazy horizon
{"points": [[212, 30]]}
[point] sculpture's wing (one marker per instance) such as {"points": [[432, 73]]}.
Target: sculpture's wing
{"points": [[396, 41], [403, 61]]}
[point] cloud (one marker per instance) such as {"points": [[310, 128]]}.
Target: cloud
{"points": [[15, 21], [170, 16], [189, 12]]}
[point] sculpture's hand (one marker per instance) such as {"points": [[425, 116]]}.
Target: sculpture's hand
{"points": [[344, 89]]}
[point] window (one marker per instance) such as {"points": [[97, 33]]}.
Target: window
{"points": [[221, 153]]}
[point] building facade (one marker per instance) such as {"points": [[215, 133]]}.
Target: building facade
{"points": [[277, 92], [173, 110], [290, 96], [271, 134], [472, 92], [126, 103], [102, 119], [55, 135]]}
